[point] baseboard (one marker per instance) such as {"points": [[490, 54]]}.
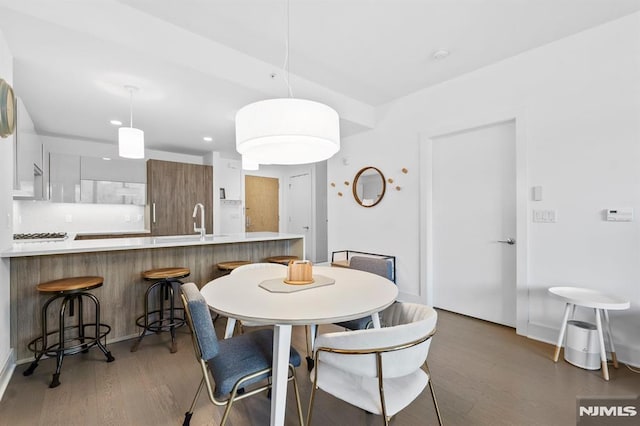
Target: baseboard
{"points": [[625, 353], [8, 367]]}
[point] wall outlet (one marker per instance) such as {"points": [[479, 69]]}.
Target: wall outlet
{"points": [[139, 218], [68, 218], [545, 216], [127, 218]]}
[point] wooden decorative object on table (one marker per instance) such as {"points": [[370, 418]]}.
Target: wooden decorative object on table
{"points": [[300, 272]]}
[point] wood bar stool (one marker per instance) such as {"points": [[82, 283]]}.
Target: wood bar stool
{"points": [[283, 260], [229, 266], [71, 339], [162, 319]]}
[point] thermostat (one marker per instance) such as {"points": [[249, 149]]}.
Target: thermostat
{"points": [[620, 215]]}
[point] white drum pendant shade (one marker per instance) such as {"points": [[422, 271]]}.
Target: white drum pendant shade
{"points": [[287, 131], [130, 142]]}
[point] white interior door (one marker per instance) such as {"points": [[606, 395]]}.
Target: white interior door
{"points": [[300, 211], [474, 223]]}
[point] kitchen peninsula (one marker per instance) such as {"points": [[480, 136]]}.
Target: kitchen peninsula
{"points": [[121, 261]]}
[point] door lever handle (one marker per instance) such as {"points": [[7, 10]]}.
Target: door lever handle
{"points": [[509, 241]]}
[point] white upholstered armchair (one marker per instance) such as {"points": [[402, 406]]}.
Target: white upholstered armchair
{"points": [[378, 370]]}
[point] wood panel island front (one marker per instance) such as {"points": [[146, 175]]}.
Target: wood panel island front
{"points": [[121, 261]]}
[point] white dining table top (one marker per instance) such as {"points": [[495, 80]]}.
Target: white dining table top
{"points": [[355, 294], [590, 298]]}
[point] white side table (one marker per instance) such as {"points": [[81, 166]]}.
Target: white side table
{"points": [[600, 303]]}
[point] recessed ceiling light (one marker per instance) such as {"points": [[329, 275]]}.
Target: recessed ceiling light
{"points": [[106, 158], [207, 139], [116, 122], [440, 54]]}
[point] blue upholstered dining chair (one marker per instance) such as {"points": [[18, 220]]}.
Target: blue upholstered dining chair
{"points": [[378, 266], [378, 370], [240, 366]]}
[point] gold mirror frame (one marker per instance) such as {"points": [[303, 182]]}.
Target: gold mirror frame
{"points": [[7, 109], [354, 186]]}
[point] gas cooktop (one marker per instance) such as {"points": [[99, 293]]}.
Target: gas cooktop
{"points": [[40, 236]]}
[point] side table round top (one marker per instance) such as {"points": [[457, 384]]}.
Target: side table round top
{"points": [[590, 298]]}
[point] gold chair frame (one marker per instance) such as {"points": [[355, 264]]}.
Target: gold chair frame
{"points": [[378, 353], [233, 396]]}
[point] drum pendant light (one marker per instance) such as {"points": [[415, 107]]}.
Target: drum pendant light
{"points": [[287, 130], [130, 139]]}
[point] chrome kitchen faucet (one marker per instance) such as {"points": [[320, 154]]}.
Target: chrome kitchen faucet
{"points": [[202, 228]]}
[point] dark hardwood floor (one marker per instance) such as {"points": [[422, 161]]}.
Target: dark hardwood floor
{"points": [[484, 374]]}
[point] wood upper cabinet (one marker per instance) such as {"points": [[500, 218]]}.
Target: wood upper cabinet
{"points": [[173, 189]]}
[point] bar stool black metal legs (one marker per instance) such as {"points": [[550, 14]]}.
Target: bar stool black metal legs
{"points": [[161, 318], [74, 338]]}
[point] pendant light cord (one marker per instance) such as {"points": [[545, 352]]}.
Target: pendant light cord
{"points": [[131, 107], [286, 56]]}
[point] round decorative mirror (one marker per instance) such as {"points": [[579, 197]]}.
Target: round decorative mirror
{"points": [[369, 186]]}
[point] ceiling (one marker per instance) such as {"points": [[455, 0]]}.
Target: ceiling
{"points": [[197, 62]]}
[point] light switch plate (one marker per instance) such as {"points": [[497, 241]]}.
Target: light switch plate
{"points": [[545, 216], [620, 214]]}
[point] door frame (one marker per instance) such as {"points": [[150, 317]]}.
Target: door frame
{"points": [[522, 206]]}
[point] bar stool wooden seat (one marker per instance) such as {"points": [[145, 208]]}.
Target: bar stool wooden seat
{"points": [[161, 319], [282, 260], [231, 265], [71, 339]]}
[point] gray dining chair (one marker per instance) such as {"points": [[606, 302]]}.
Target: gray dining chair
{"points": [[379, 370], [240, 366], [378, 266]]}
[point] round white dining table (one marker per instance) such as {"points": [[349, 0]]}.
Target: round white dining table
{"points": [[354, 294]]}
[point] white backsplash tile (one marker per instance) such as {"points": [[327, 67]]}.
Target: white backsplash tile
{"points": [[44, 216]]}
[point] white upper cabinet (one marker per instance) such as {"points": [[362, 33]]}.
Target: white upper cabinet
{"points": [[76, 179], [27, 177]]}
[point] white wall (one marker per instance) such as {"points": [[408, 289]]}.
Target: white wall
{"points": [[6, 185], [228, 217], [101, 218], [577, 102]]}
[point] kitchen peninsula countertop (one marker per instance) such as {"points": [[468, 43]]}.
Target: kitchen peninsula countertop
{"points": [[120, 262], [22, 249]]}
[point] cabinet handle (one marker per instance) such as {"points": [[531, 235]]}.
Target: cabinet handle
{"points": [[153, 212]]}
